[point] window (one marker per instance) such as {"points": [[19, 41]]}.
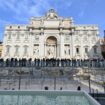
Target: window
{"points": [[9, 36], [77, 50], [16, 50], [67, 49], [94, 40], [86, 49], [26, 36], [77, 32], [7, 49], [85, 39], [18, 36], [85, 31], [95, 49], [36, 49], [22, 34], [36, 37], [77, 40], [94, 32], [67, 38], [65, 52], [25, 50]]}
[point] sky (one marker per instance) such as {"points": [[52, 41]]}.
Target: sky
{"points": [[82, 11]]}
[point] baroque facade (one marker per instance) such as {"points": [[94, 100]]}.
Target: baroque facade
{"points": [[51, 36]]}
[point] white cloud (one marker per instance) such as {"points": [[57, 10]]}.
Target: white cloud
{"points": [[69, 4], [81, 14], [2, 27], [25, 7], [97, 1], [8, 4], [4, 21]]}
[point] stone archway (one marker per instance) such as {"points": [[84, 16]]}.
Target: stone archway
{"points": [[51, 47]]}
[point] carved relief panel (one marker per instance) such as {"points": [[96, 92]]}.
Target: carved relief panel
{"points": [[77, 40], [67, 39], [36, 50]]}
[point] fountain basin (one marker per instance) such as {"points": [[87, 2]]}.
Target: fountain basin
{"points": [[46, 98]]}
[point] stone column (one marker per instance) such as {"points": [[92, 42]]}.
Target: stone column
{"points": [[58, 50], [61, 46], [41, 47], [71, 46]]}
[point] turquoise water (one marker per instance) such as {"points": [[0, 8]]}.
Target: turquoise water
{"points": [[52, 98]]}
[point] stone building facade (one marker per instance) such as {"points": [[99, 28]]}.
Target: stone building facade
{"points": [[1, 48], [51, 36], [102, 43]]}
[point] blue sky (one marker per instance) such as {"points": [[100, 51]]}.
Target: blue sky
{"points": [[83, 11]]}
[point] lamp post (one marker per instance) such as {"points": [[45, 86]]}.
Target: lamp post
{"points": [[19, 79], [0, 81], [19, 82], [55, 74], [89, 81], [103, 86], [54, 82], [89, 84]]}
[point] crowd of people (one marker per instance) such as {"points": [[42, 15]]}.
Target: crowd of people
{"points": [[13, 62]]}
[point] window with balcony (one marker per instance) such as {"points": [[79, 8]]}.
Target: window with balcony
{"points": [[95, 49], [8, 50], [16, 50], [17, 36], [9, 36], [25, 53]]}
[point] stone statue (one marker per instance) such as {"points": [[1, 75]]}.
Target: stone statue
{"points": [[51, 14], [50, 52], [36, 51]]}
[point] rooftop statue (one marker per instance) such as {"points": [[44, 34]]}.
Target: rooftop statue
{"points": [[52, 14]]}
